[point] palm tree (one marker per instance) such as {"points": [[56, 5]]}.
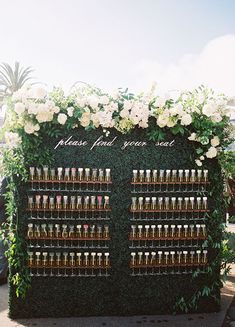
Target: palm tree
{"points": [[12, 79]]}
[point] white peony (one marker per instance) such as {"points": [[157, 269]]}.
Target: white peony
{"points": [[192, 137], [215, 141], [62, 119], [198, 162], [186, 119], [212, 152], [30, 128], [70, 111], [19, 108]]}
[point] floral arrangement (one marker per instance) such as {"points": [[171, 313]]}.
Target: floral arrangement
{"points": [[201, 115]]}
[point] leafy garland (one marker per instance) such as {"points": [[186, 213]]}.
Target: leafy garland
{"points": [[201, 116]]}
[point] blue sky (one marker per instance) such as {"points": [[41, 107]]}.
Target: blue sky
{"points": [[112, 43]]}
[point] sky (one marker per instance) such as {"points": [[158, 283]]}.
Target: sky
{"points": [[179, 44]]}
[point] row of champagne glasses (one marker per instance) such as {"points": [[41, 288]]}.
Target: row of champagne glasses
{"points": [[168, 231], [156, 258], [70, 174], [170, 176], [66, 202], [67, 231], [68, 264], [168, 203]]}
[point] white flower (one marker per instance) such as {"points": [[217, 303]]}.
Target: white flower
{"points": [[186, 119], [209, 109], [162, 121], [12, 139], [202, 158], [216, 118], [85, 119], [127, 105], [104, 99], [93, 101], [198, 162], [171, 123], [160, 101], [215, 141], [30, 128], [70, 111], [38, 93], [44, 116], [19, 108], [192, 137], [62, 119], [212, 152]]}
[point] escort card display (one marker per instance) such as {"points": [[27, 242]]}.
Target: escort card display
{"points": [[116, 225]]}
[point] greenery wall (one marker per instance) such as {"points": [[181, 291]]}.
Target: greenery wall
{"points": [[122, 294]]}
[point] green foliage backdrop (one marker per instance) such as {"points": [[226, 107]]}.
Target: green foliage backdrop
{"points": [[121, 294]]}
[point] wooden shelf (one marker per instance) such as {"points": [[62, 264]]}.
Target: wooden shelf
{"points": [[170, 183], [68, 238], [170, 265], [170, 210], [50, 181], [67, 210], [167, 238], [68, 267]]}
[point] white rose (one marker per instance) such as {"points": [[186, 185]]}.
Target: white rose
{"points": [[186, 119], [215, 141], [62, 119], [19, 108], [38, 93], [198, 162], [85, 119], [192, 137], [216, 118], [70, 111], [212, 152]]}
